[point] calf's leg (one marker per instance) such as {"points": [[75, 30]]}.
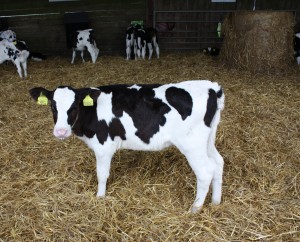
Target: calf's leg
{"points": [[82, 53], [150, 48], [194, 147], [217, 159], [24, 65], [18, 65], [128, 49], [102, 168], [203, 168], [93, 52], [156, 47], [73, 56]]}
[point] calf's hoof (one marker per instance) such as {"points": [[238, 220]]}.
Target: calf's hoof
{"points": [[196, 209]]}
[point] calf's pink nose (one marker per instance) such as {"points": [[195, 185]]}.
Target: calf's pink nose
{"points": [[61, 132]]}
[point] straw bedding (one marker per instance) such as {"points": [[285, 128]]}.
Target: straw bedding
{"points": [[48, 186]]}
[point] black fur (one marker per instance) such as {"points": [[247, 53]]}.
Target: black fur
{"points": [[181, 100], [146, 111], [211, 107]]}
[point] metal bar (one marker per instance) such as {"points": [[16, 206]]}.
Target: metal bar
{"points": [[188, 37], [195, 11], [210, 11], [199, 42], [185, 21]]}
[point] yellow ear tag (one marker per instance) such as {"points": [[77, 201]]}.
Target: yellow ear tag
{"points": [[88, 101], [42, 100], [15, 42]]}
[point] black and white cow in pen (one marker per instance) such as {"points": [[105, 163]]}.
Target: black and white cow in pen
{"points": [[84, 40], [17, 52], [212, 51], [138, 39], [146, 38], [297, 47], [144, 117], [130, 42]]}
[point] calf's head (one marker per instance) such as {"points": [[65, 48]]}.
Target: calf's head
{"points": [[65, 103], [8, 35]]}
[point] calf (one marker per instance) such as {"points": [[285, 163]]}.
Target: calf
{"points": [[147, 38], [130, 42], [11, 36], [144, 117], [16, 52], [82, 40], [297, 47], [213, 51]]}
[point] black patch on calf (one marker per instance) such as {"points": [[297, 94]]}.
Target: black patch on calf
{"points": [[114, 129], [91, 39], [146, 111], [86, 119], [12, 54], [102, 131], [211, 107], [181, 100], [20, 45]]}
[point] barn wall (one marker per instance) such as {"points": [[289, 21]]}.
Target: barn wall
{"points": [[41, 24]]}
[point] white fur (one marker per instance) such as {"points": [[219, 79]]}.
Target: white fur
{"points": [[64, 99], [9, 35]]}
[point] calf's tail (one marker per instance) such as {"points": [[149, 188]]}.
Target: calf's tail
{"points": [[219, 98]]}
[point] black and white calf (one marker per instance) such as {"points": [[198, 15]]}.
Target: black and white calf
{"points": [[213, 51], [130, 42], [17, 52], [144, 117], [297, 47], [82, 40], [146, 38]]}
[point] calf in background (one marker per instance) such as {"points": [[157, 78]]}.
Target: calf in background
{"points": [[130, 42], [84, 40], [11, 37], [212, 51], [17, 52], [147, 37], [297, 47]]}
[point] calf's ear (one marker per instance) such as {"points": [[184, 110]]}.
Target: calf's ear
{"points": [[38, 92], [89, 97], [94, 93]]}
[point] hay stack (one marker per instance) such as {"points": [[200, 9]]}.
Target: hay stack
{"points": [[258, 41]]}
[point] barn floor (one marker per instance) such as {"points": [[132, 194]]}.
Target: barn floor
{"points": [[48, 186]]}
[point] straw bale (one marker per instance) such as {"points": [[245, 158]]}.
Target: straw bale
{"points": [[258, 41], [48, 186]]}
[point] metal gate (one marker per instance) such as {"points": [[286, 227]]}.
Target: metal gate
{"points": [[189, 30]]}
